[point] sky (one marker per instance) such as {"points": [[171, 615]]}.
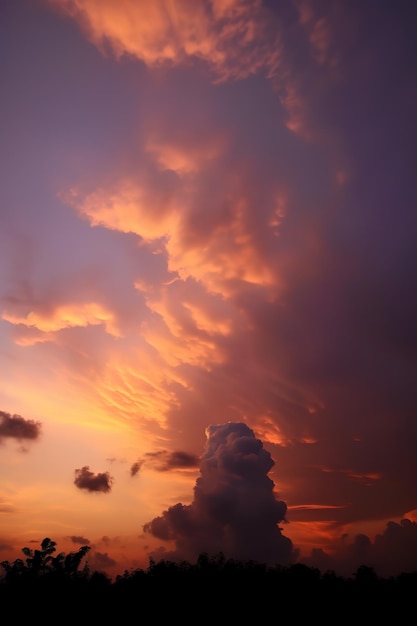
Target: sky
{"points": [[207, 280]]}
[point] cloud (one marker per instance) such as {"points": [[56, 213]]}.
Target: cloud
{"points": [[17, 427], [66, 316], [102, 560], [319, 32], [135, 468], [78, 539], [164, 461], [234, 509], [233, 38], [390, 553], [255, 284], [106, 540], [205, 229], [396, 548], [85, 479]]}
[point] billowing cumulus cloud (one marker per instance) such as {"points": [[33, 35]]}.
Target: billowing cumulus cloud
{"points": [[17, 427], [88, 480], [164, 461], [234, 509]]}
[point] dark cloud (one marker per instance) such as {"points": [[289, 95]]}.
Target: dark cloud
{"points": [[136, 467], [396, 548], [392, 552], [78, 539], [331, 359], [17, 427], [86, 479], [100, 561], [164, 461], [234, 509], [106, 540]]}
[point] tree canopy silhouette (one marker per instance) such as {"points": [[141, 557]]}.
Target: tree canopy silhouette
{"points": [[42, 563], [237, 590]]}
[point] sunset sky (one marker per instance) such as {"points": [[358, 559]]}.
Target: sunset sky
{"points": [[208, 271]]}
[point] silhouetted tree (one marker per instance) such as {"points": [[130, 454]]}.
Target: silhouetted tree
{"points": [[42, 563], [236, 590]]}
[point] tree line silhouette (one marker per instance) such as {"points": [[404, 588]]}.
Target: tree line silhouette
{"points": [[59, 588]]}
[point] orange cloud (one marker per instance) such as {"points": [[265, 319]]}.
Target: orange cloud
{"points": [[129, 208], [224, 253], [176, 349], [206, 321], [296, 109], [185, 159], [66, 316], [29, 335], [230, 36], [229, 255], [319, 33], [268, 430]]}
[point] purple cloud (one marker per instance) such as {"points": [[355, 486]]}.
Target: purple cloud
{"points": [[164, 461], [234, 509], [390, 553]]}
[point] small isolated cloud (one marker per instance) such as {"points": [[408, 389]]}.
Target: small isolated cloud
{"points": [[234, 509], [164, 461], [79, 540], [86, 479], [17, 427], [135, 467]]}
